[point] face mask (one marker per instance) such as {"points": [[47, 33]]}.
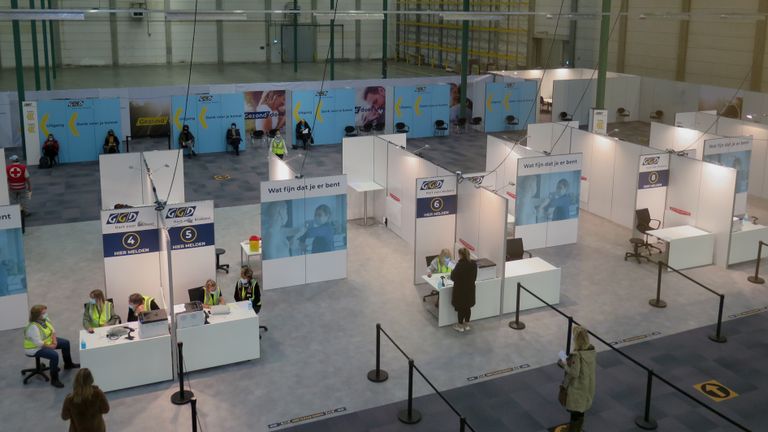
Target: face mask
{"points": [[244, 281], [45, 316], [93, 301]]}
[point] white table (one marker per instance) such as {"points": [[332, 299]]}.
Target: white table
{"points": [[246, 253], [744, 242], [687, 246], [121, 363], [226, 339], [538, 276], [487, 295], [365, 187]]}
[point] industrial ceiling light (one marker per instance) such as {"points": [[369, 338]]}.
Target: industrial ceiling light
{"points": [[350, 16], [469, 16], [41, 15], [204, 16]]}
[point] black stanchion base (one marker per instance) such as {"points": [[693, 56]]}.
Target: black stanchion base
{"points": [[657, 303], [378, 375], [413, 418], [517, 325], [756, 279], [649, 424], [181, 398], [718, 339]]}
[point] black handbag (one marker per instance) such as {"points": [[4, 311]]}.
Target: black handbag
{"points": [[562, 395]]}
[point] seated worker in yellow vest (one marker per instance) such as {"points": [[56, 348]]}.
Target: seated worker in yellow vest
{"points": [[247, 288], [99, 312], [138, 303], [40, 341], [277, 146], [442, 263], [212, 294]]}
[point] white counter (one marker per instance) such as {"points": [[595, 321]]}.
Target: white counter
{"points": [[687, 246], [538, 276], [122, 363], [744, 242], [487, 294], [227, 339]]}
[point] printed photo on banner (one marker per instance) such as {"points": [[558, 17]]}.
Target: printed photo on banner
{"points": [[149, 117], [304, 226], [370, 105], [264, 111], [455, 104], [547, 197], [736, 160], [13, 279]]}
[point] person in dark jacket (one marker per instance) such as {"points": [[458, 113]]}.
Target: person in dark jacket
{"points": [[247, 288], [111, 143], [86, 405], [187, 142], [234, 139], [138, 303], [51, 150], [303, 134], [463, 277]]}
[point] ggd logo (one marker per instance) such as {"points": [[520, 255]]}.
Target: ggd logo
{"points": [[180, 212], [205, 98], [653, 160], [75, 104], [432, 185], [120, 218]]}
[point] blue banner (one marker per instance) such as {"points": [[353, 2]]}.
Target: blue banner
{"points": [[509, 106], [436, 206], [191, 236], [653, 179], [80, 126], [208, 118], [130, 243], [327, 113], [419, 107]]}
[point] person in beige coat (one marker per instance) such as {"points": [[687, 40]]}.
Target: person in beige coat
{"points": [[579, 380]]}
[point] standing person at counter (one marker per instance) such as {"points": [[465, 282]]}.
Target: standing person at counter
{"points": [[441, 264], [463, 277], [212, 295], [98, 312], [247, 288], [138, 303], [40, 341]]}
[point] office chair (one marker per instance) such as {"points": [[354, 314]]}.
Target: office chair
{"points": [[546, 107], [515, 249], [39, 369], [565, 117], [440, 128], [349, 131], [433, 293], [637, 243], [644, 224], [272, 133], [401, 127], [622, 113], [257, 137], [476, 121], [219, 266], [511, 121], [461, 124], [378, 127], [657, 115], [367, 128], [196, 294]]}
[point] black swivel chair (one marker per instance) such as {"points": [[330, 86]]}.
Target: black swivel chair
{"points": [[196, 294], [511, 121], [440, 128], [219, 265], [350, 131], [401, 127], [367, 128], [433, 293], [644, 224], [39, 369], [565, 117], [515, 249], [460, 124]]}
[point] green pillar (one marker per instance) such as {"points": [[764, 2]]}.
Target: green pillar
{"points": [[35, 58], [384, 36], [45, 50], [602, 66], [53, 47], [333, 44], [19, 74], [295, 36], [464, 62]]}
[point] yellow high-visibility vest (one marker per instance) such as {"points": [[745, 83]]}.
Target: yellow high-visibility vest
{"points": [[45, 332], [99, 319]]}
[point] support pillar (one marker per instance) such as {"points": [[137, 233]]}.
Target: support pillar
{"points": [[464, 63], [602, 67], [45, 50], [35, 54], [19, 73]]}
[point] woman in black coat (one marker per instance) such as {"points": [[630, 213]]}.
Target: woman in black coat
{"points": [[463, 277]]}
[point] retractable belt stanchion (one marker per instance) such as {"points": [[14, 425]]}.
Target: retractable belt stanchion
{"points": [[182, 396], [756, 279]]}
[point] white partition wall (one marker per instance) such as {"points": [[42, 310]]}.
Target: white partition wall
{"points": [[14, 307], [193, 246], [125, 179], [279, 170], [131, 241], [435, 220], [403, 168], [4, 198], [552, 138], [167, 168], [678, 139], [363, 170], [481, 221]]}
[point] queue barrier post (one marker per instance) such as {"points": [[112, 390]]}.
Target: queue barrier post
{"points": [[756, 279], [658, 302], [182, 396], [410, 415], [570, 333], [462, 424], [646, 422], [194, 414], [378, 375], [517, 324], [718, 336]]}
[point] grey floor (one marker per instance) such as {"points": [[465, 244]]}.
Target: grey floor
{"points": [[176, 74]]}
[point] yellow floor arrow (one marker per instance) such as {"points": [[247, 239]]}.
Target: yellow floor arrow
{"points": [[397, 106], [44, 125], [176, 119], [416, 108], [72, 127], [203, 123], [296, 111]]}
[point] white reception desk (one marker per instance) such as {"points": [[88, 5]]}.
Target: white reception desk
{"points": [[687, 246], [122, 363], [744, 242], [537, 275]]}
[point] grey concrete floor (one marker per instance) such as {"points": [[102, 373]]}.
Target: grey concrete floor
{"points": [[230, 73]]}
